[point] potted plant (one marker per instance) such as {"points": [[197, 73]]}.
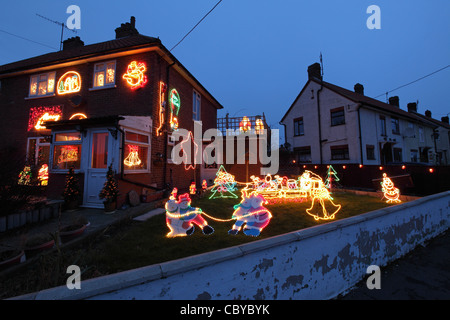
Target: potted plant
{"points": [[73, 230], [110, 191], [39, 242], [71, 191]]}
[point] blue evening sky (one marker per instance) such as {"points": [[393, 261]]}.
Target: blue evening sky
{"points": [[252, 55]]}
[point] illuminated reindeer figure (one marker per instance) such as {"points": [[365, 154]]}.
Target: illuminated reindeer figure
{"points": [[313, 185]]}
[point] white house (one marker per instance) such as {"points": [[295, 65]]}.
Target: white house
{"points": [[327, 124]]}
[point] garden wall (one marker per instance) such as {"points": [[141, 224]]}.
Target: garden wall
{"points": [[314, 263]]}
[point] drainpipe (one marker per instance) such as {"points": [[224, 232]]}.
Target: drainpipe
{"points": [[360, 137], [166, 132], [318, 114]]}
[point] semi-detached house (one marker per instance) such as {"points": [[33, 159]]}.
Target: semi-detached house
{"points": [[116, 102]]}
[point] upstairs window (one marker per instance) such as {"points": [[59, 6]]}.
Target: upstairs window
{"points": [[42, 85], [104, 75], [337, 116], [196, 106], [383, 125], [395, 125]]}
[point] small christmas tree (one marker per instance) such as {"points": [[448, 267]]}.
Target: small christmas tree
{"points": [[332, 178], [72, 189], [224, 184], [25, 176], [110, 190]]}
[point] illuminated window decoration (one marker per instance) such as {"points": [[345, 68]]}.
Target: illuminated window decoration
{"points": [[245, 124], [391, 193], [259, 126], [250, 214], [181, 218], [135, 75], [25, 176], [42, 84], [175, 105], [78, 116], [332, 178], [68, 154], [39, 115], [70, 82], [193, 188], [224, 185], [315, 188], [133, 157], [162, 107], [43, 175]]}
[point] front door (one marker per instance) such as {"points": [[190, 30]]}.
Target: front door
{"points": [[97, 167]]}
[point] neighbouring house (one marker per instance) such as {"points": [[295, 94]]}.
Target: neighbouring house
{"points": [[328, 124], [116, 102]]}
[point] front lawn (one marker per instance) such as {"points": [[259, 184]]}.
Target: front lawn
{"points": [[137, 244]]}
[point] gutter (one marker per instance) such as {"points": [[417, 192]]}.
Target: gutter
{"points": [[320, 127], [360, 136], [166, 131]]}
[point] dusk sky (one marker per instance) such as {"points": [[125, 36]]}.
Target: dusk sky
{"points": [[252, 55]]}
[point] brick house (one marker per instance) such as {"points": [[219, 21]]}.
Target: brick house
{"points": [[115, 102]]}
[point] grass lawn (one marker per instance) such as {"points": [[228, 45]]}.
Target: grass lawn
{"points": [[137, 244]]}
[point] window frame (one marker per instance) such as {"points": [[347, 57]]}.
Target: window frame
{"points": [[140, 144], [196, 106], [38, 144], [395, 124], [103, 70], [49, 75], [300, 152], [372, 150], [383, 129], [299, 123], [416, 152], [400, 150], [65, 143], [333, 116]]}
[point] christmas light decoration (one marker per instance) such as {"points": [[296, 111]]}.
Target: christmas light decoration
{"points": [[187, 165], [70, 82], [68, 154], [192, 188], [224, 185], [25, 176], [43, 175], [331, 178], [162, 107], [71, 189], [135, 75], [245, 125], [110, 190], [181, 217], [250, 214], [133, 157], [173, 194], [78, 116], [175, 105], [259, 127], [204, 185], [391, 193], [38, 115]]}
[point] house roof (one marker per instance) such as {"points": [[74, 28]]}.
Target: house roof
{"points": [[108, 47], [368, 101]]}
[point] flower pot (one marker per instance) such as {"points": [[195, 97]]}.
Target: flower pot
{"points": [[36, 249], [70, 232], [110, 207], [11, 257]]}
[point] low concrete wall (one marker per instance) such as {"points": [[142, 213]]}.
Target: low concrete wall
{"points": [[314, 263]]}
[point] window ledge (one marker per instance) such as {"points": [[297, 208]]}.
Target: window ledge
{"points": [[103, 88], [40, 97]]}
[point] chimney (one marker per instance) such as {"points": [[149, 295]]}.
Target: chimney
{"points": [[428, 113], [412, 107], [127, 29], [71, 43], [359, 88], [314, 71], [445, 119], [394, 101]]}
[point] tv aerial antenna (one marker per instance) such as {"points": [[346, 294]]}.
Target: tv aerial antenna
{"points": [[63, 26]]}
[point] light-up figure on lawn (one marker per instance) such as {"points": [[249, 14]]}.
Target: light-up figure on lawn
{"points": [[391, 193], [181, 217], [250, 214]]}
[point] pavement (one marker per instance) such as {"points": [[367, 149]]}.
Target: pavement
{"points": [[423, 274]]}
